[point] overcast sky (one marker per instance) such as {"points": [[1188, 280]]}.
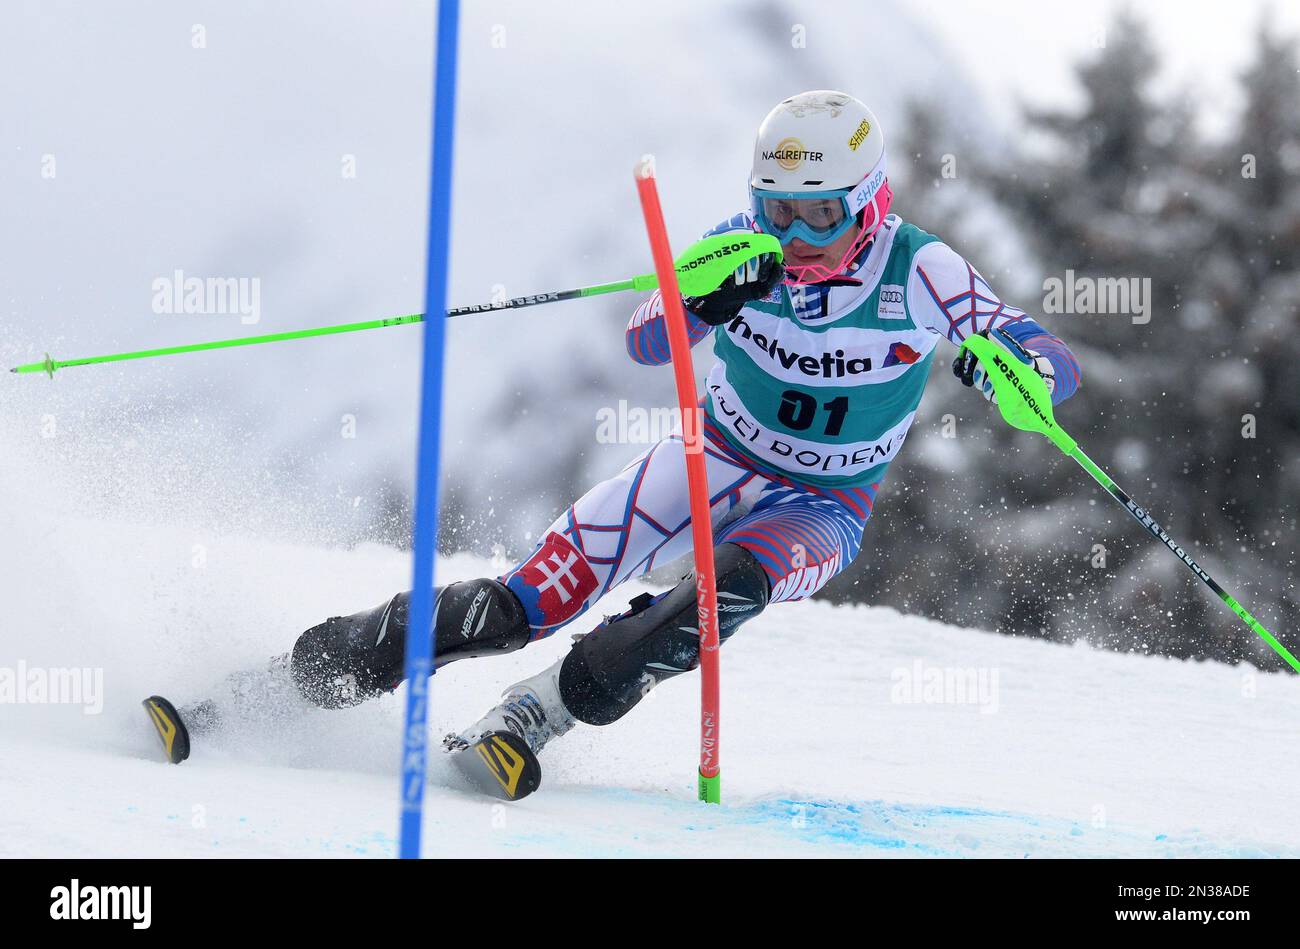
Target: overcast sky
{"points": [[1026, 49]]}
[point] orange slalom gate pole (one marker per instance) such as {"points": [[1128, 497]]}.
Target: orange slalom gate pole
{"points": [[679, 345]]}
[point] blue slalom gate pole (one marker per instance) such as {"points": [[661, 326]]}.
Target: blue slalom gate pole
{"points": [[419, 647]]}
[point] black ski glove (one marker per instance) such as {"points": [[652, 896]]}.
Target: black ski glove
{"points": [[968, 369], [751, 281]]}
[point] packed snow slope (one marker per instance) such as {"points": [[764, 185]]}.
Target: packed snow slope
{"points": [[1064, 751]]}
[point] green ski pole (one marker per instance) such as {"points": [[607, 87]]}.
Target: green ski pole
{"points": [[700, 270], [1026, 404]]}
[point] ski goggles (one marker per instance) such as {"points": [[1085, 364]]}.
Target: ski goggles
{"points": [[818, 218]]}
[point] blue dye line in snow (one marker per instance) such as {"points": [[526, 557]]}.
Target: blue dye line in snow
{"points": [[647, 823]]}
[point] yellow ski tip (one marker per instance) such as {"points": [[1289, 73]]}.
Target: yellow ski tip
{"points": [[169, 727]]}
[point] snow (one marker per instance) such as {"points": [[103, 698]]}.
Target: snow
{"points": [[1065, 751], [163, 577], [167, 522]]}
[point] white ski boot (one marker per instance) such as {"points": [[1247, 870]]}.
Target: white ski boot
{"points": [[531, 710]]}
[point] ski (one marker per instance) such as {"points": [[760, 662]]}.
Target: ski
{"points": [[498, 764], [171, 730]]}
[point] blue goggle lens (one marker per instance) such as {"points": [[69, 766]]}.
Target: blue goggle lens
{"points": [[817, 219]]}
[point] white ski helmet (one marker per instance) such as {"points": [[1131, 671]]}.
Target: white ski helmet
{"points": [[819, 170]]}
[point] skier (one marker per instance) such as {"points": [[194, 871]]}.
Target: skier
{"points": [[822, 360]]}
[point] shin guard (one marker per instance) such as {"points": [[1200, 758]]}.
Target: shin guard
{"points": [[348, 659], [612, 668]]}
